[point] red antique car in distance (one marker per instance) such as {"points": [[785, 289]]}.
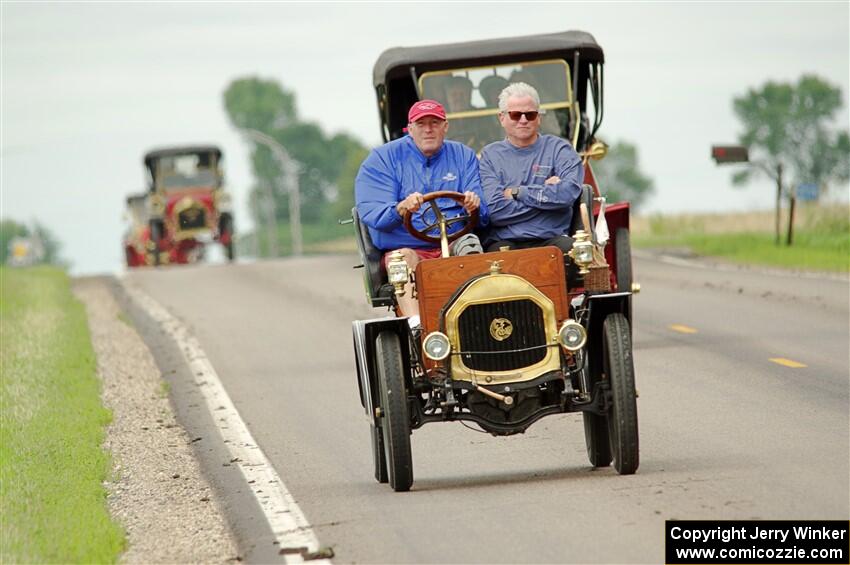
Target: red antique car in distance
{"points": [[187, 202], [140, 250]]}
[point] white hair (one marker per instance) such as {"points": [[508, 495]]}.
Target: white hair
{"points": [[517, 90]]}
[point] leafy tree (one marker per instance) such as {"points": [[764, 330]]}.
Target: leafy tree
{"points": [[259, 104], [268, 107], [48, 243], [792, 124], [619, 175], [345, 199], [10, 229]]}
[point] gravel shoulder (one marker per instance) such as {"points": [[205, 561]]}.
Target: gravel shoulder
{"points": [[157, 492]]}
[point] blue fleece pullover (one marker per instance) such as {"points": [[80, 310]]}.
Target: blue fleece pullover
{"points": [[397, 169], [540, 211]]}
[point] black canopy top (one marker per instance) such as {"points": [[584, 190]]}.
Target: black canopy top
{"points": [[398, 60], [150, 156]]}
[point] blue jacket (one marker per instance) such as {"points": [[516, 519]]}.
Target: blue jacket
{"points": [[397, 169], [540, 211]]}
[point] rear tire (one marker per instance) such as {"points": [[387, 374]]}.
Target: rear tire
{"points": [[622, 413], [395, 422], [623, 255]]}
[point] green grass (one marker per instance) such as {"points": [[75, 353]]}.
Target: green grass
{"points": [[52, 501], [316, 238], [821, 240]]}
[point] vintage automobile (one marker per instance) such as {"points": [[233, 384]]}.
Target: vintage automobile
{"points": [[188, 204], [506, 338]]}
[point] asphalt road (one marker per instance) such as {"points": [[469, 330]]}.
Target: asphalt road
{"points": [[743, 379]]}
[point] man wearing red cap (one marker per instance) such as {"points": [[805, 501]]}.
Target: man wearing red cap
{"points": [[394, 177]]}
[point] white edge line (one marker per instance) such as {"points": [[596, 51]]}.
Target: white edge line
{"points": [[286, 520]]}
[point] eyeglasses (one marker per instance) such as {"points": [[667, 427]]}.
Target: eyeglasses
{"points": [[530, 116]]}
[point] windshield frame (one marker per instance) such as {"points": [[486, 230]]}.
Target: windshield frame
{"points": [[160, 177], [494, 111]]}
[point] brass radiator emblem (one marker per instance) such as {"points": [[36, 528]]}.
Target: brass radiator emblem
{"points": [[501, 329]]}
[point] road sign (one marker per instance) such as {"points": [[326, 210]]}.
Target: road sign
{"points": [[807, 191], [729, 154]]}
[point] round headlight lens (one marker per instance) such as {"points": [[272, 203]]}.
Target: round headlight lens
{"points": [[572, 335], [436, 346]]}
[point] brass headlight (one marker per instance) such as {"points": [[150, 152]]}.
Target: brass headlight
{"points": [[572, 335], [436, 346]]}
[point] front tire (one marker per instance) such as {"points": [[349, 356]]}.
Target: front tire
{"points": [[622, 412], [395, 422]]}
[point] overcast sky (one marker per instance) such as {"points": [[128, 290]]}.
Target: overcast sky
{"points": [[87, 88]]}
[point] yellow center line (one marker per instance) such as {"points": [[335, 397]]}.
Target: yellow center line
{"points": [[683, 329], [787, 362]]}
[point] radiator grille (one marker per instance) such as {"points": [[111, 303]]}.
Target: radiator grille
{"points": [[482, 352], [192, 218]]}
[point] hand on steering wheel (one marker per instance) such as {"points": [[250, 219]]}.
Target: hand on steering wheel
{"points": [[471, 218]]}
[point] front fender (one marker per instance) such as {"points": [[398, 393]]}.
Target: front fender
{"points": [[365, 333], [600, 306]]}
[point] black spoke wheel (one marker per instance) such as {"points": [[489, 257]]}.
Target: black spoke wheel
{"points": [[395, 422], [596, 438], [622, 412]]}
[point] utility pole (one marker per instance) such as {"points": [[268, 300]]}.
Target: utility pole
{"points": [[290, 171], [778, 179]]}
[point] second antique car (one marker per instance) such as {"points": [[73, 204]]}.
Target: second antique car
{"points": [[188, 204], [506, 338]]}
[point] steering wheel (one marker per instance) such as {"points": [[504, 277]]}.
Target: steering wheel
{"points": [[471, 218]]}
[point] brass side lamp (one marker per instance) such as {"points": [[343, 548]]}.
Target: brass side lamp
{"points": [[398, 272], [582, 251]]}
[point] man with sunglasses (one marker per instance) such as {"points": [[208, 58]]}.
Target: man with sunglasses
{"points": [[530, 181], [394, 178]]}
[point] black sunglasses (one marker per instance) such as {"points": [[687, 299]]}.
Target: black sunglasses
{"points": [[530, 116]]}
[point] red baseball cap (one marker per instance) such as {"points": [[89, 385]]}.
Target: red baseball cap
{"points": [[426, 108]]}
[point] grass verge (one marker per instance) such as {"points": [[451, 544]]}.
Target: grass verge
{"points": [[821, 239], [52, 501]]}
